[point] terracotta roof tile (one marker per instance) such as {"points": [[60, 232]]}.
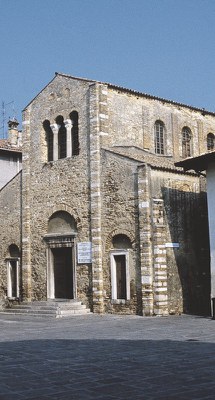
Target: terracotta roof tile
{"points": [[6, 145]]}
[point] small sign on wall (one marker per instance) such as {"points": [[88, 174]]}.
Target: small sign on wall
{"points": [[172, 245], [84, 252]]}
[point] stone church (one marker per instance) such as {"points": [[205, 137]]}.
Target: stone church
{"points": [[99, 213]]}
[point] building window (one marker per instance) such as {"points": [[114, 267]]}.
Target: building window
{"points": [[49, 139], [210, 141], [13, 278], [186, 142], [120, 275], [75, 133], [120, 281], [159, 137], [13, 272], [61, 137]]}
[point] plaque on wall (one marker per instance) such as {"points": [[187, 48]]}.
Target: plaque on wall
{"points": [[84, 252], [173, 245]]}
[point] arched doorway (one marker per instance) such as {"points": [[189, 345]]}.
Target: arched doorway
{"points": [[61, 267]]}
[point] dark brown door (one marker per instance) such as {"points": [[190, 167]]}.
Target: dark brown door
{"points": [[121, 276], [63, 273]]}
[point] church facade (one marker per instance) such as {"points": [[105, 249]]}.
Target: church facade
{"points": [[99, 212]]}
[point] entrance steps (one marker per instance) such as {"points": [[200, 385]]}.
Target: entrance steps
{"points": [[50, 308]]}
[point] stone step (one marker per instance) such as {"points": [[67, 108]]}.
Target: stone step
{"points": [[53, 308], [30, 314], [52, 302], [17, 310]]}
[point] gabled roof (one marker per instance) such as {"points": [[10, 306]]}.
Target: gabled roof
{"points": [[198, 164], [123, 89]]}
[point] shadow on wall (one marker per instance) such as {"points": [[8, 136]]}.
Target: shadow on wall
{"points": [[106, 369], [188, 265]]}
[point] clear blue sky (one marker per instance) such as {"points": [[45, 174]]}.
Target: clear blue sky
{"points": [[162, 47]]}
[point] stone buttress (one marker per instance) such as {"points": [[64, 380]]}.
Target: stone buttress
{"points": [[26, 213], [96, 126]]}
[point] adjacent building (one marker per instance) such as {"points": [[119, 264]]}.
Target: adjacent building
{"points": [[200, 164], [10, 153]]}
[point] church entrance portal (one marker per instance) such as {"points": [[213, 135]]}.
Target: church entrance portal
{"points": [[61, 260], [63, 273]]}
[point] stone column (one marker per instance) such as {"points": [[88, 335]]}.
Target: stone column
{"points": [[68, 125], [55, 129]]}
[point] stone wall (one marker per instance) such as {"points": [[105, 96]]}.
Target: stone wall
{"points": [[120, 217], [59, 185], [132, 118], [10, 232], [115, 186]]}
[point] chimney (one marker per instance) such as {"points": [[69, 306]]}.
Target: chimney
{"points": [[13, 133]]}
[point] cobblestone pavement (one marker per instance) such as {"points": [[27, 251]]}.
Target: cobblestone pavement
{"points": [[107, 357]]}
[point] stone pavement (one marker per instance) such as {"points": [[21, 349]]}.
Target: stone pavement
{"points": [[107, 357]]}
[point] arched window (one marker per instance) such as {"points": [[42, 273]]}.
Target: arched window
{"points": [[49, 139], [186, 142], [13, 271], [159, 137], [61, 137], [75, 133], [210, 141]]}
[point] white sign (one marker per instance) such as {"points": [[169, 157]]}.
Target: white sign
{"points": [[84, 252], [144, 204], [172, 245]]}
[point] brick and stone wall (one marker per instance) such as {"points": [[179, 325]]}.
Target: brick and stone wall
{"points": [[115, 186]]}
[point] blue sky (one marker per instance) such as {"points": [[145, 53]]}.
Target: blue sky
{"points": [[162, 47]]}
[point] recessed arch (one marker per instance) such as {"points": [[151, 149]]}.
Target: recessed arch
{"points": [[121, 241], [61, 222], [13, 251]]}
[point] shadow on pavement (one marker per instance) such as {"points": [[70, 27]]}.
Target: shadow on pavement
{"points": [[107, 369]]}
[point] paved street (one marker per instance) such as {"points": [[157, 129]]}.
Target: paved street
{"points": [[107, 357]]}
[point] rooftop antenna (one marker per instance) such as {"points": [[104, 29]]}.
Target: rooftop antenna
{"points": [[4, 105]]}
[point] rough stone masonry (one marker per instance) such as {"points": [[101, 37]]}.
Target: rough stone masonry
{"points": [[99, 212]]}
